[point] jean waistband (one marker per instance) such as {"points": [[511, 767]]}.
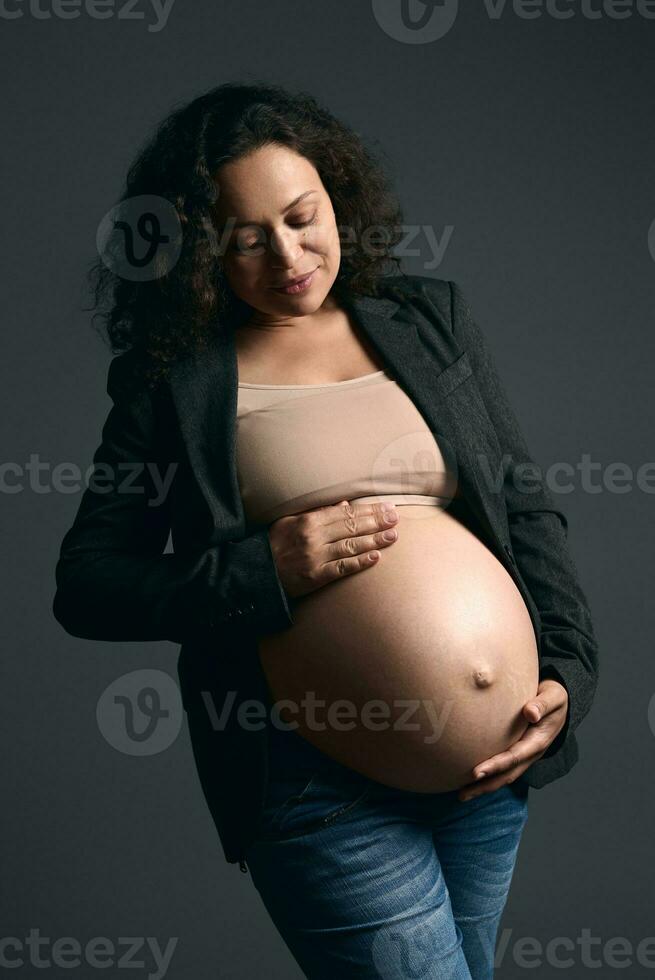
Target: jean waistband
{"points": [[288, 749]]}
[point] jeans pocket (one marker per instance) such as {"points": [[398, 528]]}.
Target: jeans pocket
{"points": [[297, 803]]}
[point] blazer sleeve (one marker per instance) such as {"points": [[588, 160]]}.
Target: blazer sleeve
{"points": [[113, 580], [538, 532]]}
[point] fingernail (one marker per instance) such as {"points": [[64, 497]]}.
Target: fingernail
{"points": [[480, 774]]}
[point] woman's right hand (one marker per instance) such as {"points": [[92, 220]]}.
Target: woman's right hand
{"points": [[321, 545]]}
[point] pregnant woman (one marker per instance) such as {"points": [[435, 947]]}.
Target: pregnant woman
{"points": [[375, 568]]}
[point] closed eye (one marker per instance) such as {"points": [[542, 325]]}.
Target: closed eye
{"points": [[249, 246], [303, 224]]}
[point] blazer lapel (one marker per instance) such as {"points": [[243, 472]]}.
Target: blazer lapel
{"points": [[204, 388], [392, 328], [204, 391]]}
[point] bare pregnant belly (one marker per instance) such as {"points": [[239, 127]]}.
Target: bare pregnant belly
{"points": [[414, 670]]}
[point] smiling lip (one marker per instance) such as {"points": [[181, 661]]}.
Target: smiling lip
{"points": [[296, 285]]}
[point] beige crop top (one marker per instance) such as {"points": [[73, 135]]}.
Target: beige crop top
{"points": [[305, 446]]}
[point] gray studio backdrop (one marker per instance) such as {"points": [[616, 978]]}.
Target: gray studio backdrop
{"points": [[520, 137]]}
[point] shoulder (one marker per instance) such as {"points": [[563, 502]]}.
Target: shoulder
{"points": [[406, 288], [127, 377], [433, 296]]}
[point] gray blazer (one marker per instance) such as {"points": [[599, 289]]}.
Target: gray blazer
{"points": [[219, 586]]}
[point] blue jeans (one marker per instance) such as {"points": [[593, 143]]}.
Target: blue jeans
{"points": [[364, 881]]}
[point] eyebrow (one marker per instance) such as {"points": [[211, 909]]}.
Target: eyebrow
{"points": [[297, 200]]}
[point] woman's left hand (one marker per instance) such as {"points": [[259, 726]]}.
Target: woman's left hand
{"points": [[546, 713]]}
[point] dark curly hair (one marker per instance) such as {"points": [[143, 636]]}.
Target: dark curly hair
{"points": [[173, 313]]}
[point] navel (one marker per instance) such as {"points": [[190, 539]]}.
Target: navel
{"points": [[482, 677]]}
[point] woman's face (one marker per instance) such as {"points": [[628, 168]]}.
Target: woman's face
{"points": [[276, 223]]}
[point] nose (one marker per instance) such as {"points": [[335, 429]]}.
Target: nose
{"points": [[288, 246]]}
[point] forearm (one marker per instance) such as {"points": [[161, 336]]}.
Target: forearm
{"points": [[569, 651], [130, 596], [114, 581]]}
